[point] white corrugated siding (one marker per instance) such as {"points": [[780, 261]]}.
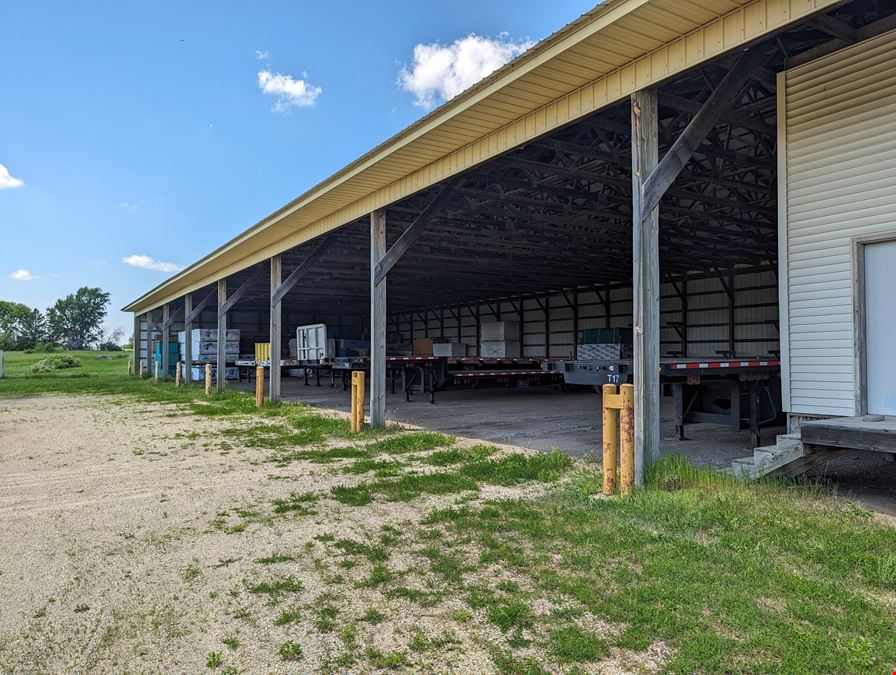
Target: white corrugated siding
{"points": [[838, 180]]}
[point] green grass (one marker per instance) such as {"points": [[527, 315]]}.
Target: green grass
{"points": [[732, 576], [277, 588], [571, 644], [459, 455], [297, 503], [417, 441], [518, 468]]}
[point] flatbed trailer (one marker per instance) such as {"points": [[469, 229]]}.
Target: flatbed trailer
{"points": [[743, 393], [429, 374]]}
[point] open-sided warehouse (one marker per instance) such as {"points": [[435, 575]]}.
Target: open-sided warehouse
{"points": [[621, 176]]}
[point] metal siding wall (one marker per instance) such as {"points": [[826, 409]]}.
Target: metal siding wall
{"points": [[840, 126]]}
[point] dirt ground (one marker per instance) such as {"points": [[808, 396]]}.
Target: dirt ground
{"points": [[120, 551]]}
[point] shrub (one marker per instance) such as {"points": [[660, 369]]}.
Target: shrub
{"points": [[47, 348], [109, 347], [51, 363]]}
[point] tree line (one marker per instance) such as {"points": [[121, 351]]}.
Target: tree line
{"points": [[72, 322]]}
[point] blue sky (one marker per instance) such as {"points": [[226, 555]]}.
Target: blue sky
{"points": [[156, 131]]}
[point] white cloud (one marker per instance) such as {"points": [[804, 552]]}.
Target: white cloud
{"points": [[262, 55], [7, 181], [440, 72], [290, 92], [23, 275], [148, 263]]}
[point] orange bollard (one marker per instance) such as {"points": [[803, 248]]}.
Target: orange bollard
{"points": [[357, 401], [259, 386], [610, 438], [627, 446]]}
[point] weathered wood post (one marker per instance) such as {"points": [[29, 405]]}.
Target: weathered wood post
{"points": [[377, 321], [156, 377], [646, 283], [208, 379], [177, 374], [166, 337], [130, 366], [259, 386], [2, 365], [275, 327], [142, 369], [187, 356], [222, 334]]}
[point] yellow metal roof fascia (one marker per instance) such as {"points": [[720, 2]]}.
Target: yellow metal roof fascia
{"points": [[735, 28]]}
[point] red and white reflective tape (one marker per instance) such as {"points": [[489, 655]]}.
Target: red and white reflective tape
{"points": [[723, 364]]}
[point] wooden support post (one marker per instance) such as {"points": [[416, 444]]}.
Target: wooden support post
{"points": [[187, 356], [2, 365], [357, 401], [130, 366], [627, 467], [610, 438], [646, 284], [149, 343], [275, 327], [377, 320], [177, 374], [142, 369], [166, 332], [156, 376], [259, 386], [208, 379], [136, 341], [222, 333]]}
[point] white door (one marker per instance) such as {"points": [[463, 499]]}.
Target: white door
{"points": [[880, 327]]}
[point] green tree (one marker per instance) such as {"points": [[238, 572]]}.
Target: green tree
{"points": [[76, 320], [12, 316], [32, 330]]}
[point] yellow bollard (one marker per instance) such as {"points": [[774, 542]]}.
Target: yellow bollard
{"points": [[627, 446], [610, 439], [208, 379], [259, 386], [357, 400], [177, 375], [156, 378]]}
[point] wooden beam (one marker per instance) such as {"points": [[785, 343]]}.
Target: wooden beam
{"points": [[187, 356], [865, 32], [646, 282], [275, 327], [287, 285], [193, 314], [413, 232], [221, 357], [166, 328], [136, 343], [377, 321], [172, 317], [834, 28], [241, 291], [718, 103]]}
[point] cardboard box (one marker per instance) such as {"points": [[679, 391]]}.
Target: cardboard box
{"points": [[423, 346], [449, 349], [500, 349], [496, 331]]}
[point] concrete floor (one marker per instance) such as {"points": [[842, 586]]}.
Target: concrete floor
{"points": [[545, 418]]}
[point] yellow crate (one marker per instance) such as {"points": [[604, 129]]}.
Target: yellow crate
{"points": [[262, 351]]}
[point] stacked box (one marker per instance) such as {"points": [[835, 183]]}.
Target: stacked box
{"points": [[500, 339], [499, 349], [449, 349], [204, 347], [603, 352]]}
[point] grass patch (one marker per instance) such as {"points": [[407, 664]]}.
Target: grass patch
{"points": [[416, 441], [459, 455], [295, 504], [288, 616], [353, 496], [571, 644], [290, 651], [732, 576], [518, 468], [373, 552], [373, 616], [276, 588], [380, 659], [275, 558]]}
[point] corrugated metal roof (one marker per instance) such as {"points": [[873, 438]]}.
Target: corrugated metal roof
{"points": [[618, 47]]}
